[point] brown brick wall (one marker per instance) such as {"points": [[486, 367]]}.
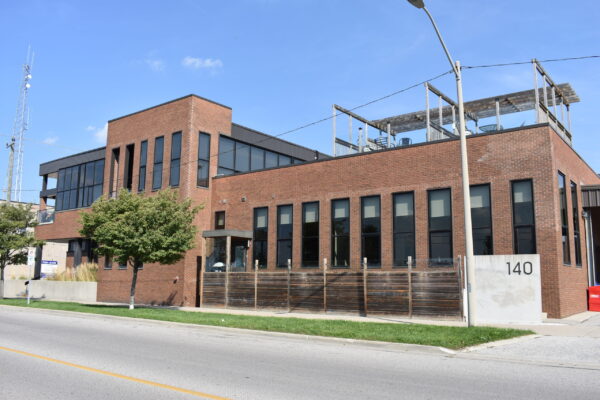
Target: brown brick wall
{"points": [[528, 153], [494, 159], [572, 280]]}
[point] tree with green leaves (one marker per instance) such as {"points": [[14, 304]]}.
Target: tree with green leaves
{"points": [[135, 229], [16, 234]]}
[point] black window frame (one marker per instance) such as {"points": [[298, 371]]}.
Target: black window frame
{"points": [[336, 237], [281, 239], [175, 161], [576, 225], [398, 231], [477, 229], [218, 226], [260, 238], [366, 236], [564, 219], [202, 178], [228, 164], [309, 238], [431, 231], [516, 227], [157, 166], [143, 166], [84, 186]]}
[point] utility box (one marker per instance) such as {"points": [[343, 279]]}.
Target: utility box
{"points": [[594, 298]]}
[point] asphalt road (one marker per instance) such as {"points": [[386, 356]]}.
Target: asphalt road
{"points": [[75, 356]]}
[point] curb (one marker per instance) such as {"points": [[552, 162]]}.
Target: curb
{"points": [[388, 346]]}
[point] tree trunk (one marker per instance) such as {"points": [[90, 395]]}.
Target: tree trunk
{"points": [[133, 282], [1, 281], [1, 272]]}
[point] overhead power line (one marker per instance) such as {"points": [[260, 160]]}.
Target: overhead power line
{"points": [[528, 62]]}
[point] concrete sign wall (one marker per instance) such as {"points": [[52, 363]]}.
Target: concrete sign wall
{"points": [[84, 292], [508, 289]]}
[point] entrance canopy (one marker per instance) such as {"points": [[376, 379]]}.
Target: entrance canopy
{"points": [[226, 250]]}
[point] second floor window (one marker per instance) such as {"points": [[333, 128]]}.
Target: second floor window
{"points": [[175, 159], [158, 163], [143, 160]]}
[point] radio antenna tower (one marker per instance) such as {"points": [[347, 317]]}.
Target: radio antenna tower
{"points": [[16, 144]]}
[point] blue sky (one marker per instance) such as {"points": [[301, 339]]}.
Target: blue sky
{"points": [[278, 63]]}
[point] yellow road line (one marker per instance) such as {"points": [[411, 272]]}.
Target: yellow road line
{"points": [[114, 375]]}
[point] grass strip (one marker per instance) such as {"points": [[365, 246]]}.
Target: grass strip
{"points": [[451, 337]]}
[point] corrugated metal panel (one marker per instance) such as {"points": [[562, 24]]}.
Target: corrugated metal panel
{"points": [[591, 196]]}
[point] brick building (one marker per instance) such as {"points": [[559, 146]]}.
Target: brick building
{"points": [[268, 201]]}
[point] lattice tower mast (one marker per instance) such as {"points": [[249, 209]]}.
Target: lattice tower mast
{"points": [[20, 126]]}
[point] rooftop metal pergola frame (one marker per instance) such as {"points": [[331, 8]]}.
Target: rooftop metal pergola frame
{"points": [[550, 101]]}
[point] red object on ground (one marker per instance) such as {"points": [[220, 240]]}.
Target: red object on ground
{"points": [[594, 298]]}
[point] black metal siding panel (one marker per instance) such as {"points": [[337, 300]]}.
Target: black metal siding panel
{"points": [[268, 142], [591, 196], [80, 158]]}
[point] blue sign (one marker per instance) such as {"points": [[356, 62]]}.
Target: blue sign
{"points": [[50, 262]]}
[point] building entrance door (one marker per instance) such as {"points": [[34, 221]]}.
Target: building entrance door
{"points": [[239, 254]]}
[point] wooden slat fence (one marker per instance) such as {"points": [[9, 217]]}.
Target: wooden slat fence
{"points": [[431, 293]]}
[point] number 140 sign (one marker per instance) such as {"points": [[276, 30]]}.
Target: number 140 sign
{"points": [[517, 269]]}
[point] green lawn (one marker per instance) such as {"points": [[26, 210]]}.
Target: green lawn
{"points": [[431, 335]]}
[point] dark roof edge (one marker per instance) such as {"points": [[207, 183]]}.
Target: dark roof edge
{"points": [[392, 149], [72, 155], [278, 138], [168, 102]]}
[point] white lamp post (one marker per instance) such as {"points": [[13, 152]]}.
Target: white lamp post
{"points": [[465, 171]]}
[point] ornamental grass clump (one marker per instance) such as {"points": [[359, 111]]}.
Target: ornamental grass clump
{"points": [[85, 272]]}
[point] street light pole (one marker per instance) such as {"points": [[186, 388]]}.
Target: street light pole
{"points": [[470, 278]]}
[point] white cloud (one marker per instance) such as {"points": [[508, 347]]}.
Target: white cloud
{"points": [[90, 128], [201, 63], [155, 64], [100, 134], [50, 140]]}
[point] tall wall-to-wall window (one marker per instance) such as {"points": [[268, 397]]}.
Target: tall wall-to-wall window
{"points": [[564, 219], [79, 186], [143, 161], [371, 230], [440, 227], [576, 232], [481, 215], [340, 233], [404, 228], [236, 156], [523, 217], [203, 159], [175, 164], [285, 230], [261, 236], [157, 168], [310, 234]]}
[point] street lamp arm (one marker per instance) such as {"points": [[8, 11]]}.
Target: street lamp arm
{"points": [[439, 35]]}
